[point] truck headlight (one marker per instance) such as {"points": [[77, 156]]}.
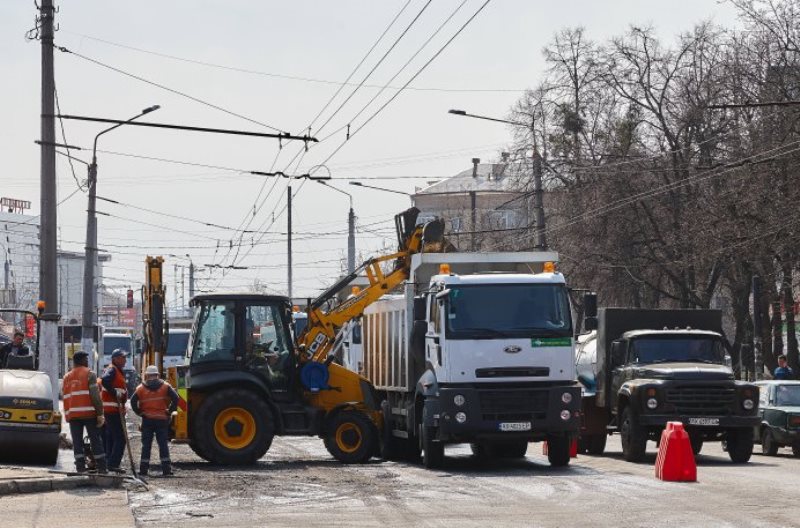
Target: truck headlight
{"points": [[748, 404], [652, 403], [461, 417], [565, 415], [566, 397], [459, 400]]}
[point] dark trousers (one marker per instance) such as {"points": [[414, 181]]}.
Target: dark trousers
{"points": [[76, 428], [114, 440], [159, 429]]}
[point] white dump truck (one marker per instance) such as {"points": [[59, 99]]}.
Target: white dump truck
{"points": [[479, 349]]}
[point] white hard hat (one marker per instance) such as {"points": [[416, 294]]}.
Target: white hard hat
{"points": [[151, 370]]}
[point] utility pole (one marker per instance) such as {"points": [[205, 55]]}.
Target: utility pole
{"points": [[351, 240], [289, 240], [183, 289], [191, 280], [48, 243], [538, 201], [175, 291], [89, 264], [49, 356]]}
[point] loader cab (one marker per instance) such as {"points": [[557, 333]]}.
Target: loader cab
{"points": [[243, 332]]}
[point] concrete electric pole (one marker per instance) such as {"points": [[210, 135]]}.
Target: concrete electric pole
{"points": [[49, 357], [289, 241]]}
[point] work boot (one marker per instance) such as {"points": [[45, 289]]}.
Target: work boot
{"points": [[101, 467], [144, 469], [166, 469], [80, 466]]}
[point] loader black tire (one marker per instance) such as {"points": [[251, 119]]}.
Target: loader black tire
{"points": [[233, 427], [351, 437], [768, 445]]}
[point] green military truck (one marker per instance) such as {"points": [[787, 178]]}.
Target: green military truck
{"points": [[643, 368]]}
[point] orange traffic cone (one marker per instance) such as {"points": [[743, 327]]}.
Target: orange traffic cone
{"points": [[675, 461]]}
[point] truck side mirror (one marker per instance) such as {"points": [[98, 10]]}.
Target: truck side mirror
{"points": [[590, 311], [617, 353]]}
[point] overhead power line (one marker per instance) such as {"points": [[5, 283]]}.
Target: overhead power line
{"points": [[290, 77], [167, 88]]}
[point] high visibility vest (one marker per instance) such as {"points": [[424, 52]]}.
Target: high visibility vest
{"points": [[110, 404], [154, 404], [77, 400]]}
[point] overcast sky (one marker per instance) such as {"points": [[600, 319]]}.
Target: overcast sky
{"points": [[276, 64]]}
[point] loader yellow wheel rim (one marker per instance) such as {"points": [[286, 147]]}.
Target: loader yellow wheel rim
{"points": [[348, 437], [235, 428]]}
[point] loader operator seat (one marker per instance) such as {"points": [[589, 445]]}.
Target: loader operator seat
{"points": [[14, 362]]}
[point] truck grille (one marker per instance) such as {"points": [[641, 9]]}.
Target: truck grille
{"points": [[514, 405], [716, 401]]}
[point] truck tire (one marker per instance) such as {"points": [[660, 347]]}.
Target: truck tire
{"points": [[768, 445], [634, 437], [432, 451], [740, 445], [558, 450], [697, 444], [796, 449], [233, 427], [596, 444], [391, 446], [351, 437]]}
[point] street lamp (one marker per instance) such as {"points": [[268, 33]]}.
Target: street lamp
{"points": [[538, 203], [351, 228], [90, 263]]}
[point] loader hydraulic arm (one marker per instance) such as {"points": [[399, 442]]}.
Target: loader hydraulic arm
{"points": [[322, 326]]}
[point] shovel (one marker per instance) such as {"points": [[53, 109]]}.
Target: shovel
{"points": [[122, 413]]}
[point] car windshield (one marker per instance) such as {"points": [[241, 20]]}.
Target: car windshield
{"points": [[677, 349], [177, 344], [111, 343], [788, 395], [508, 310]]}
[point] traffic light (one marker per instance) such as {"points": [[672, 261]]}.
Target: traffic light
{"points": [[130, 298]]}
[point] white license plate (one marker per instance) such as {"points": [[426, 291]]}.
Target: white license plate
{"points": [[703, 421], [515, 426]]}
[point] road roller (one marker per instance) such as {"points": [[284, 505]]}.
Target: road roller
{"points": [[29, 426]]}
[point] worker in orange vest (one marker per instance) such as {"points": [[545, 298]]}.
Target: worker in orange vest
{"points": [[83, 409], [114, 393], [154, 400]]}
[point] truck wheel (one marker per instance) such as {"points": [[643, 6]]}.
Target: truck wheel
{"points": [[351, 437], [596, 444], [634, 437], [697, 444], [740, 445], [482, 452], [432, 451], [796, 449], [234, 427], [558, 450], [768, 445]]}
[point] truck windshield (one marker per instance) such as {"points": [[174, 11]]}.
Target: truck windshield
{"points": [[177, 344], [111, 343], [508, 310], [677, 349], [788, 395]]}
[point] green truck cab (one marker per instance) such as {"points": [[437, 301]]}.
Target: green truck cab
{"points": [[644, 368]]}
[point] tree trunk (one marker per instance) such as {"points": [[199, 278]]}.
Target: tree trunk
{"points": [[788, 306], [776, 322]]}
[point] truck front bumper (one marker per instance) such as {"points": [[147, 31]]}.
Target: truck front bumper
{"points": [[701, 422], [522, 412]]}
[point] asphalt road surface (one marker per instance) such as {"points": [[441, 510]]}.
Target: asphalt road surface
{"points": [[298, 484]]}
